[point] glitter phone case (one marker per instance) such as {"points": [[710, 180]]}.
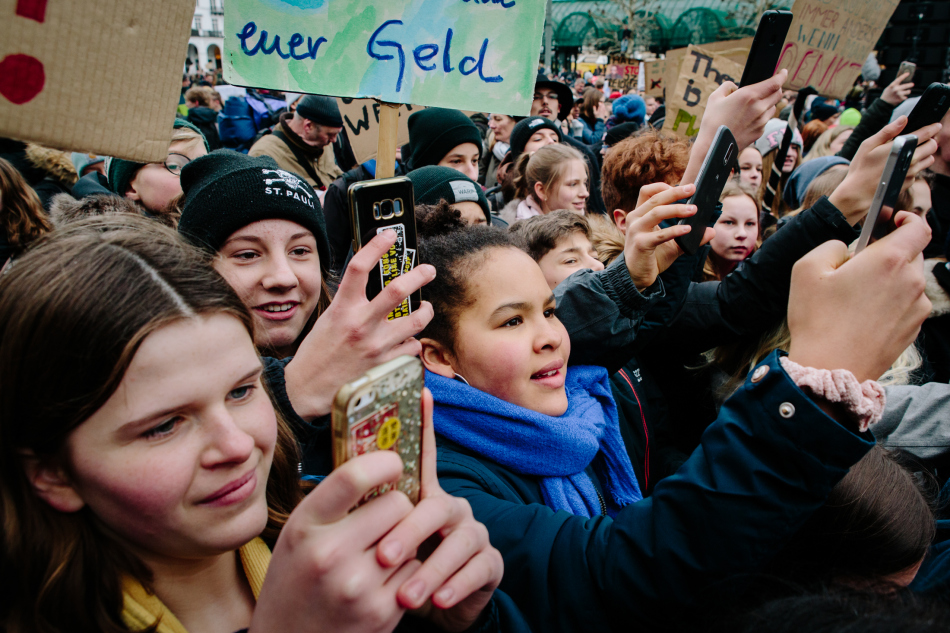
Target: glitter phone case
{"points": [[382, 410]]}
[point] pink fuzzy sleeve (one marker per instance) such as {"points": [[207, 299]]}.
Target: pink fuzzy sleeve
{"points": [[865, 400]]}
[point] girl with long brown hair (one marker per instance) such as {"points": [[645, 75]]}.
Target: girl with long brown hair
{"points": [[145, 477]]}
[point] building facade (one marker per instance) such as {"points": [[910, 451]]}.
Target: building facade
{"points": [[207, 37]]}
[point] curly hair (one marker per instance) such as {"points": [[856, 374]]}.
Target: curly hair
{"points": [[21, 214], [437, 219], [641, 160]]}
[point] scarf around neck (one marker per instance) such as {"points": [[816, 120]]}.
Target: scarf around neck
{"points": [[555, 449], [527, 208], [141, 609]]}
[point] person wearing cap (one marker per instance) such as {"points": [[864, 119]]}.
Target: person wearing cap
{"points": [[440, 136], [768, 144], [432, 184], [553, 100], [153, 186], [302, 142]]}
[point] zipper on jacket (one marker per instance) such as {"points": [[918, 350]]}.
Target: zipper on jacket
{"points": [[603, 506]]}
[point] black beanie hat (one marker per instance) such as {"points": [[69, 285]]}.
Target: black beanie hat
{"points": [[121, 171], [320, 110], [433, 183], [619, 132], [523, 130], [226, 190], [434, 132]]}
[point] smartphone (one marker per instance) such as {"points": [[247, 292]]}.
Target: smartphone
{"points": [[382, 411], [378, 205], [931, 108], [712, 178], [906, 67], [766, 47], [880, 219]]}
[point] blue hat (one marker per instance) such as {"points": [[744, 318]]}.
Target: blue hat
{"points": [[629, 109], [797, 185]]}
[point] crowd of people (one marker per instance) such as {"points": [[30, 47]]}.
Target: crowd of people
{"points": [[617, 434]]}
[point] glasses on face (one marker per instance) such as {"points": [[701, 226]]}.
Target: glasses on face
{"points": [[175, 162]]}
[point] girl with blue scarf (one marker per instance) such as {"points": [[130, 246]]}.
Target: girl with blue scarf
{"points": [[533, 444]]}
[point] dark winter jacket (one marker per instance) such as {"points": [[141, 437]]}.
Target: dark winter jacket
{"points": [[873, 119], [205, 119], [755, 478]]}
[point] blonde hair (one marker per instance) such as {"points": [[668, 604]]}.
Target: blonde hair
{"points": [[779, 208], [547, 166], [822, 145], [605, 237], [186, 135]]}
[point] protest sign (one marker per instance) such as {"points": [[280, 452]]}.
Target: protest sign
{"points": [[654, 77], [701, 72], [734, 50], [361, 122], [465, 54], [101, 77], [624, 76], [829, 41]]}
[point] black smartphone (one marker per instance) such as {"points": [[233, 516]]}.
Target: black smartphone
{"points": [[766, 47], [712, 178], [880, 218], [378, 205], [931, 108]]}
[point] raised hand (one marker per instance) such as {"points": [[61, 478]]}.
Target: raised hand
{"points": [[353, 335], [859, 313]]}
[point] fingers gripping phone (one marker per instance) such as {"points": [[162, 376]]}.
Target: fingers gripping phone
{"points": [[378, 205], [880, 219], [382, 410], [766, 47], [712, 178], [905, 68], [931, 108]]}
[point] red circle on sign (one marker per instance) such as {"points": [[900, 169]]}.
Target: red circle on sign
{"points": [[21, 78]]}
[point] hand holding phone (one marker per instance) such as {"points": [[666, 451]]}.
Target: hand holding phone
{"points": [[931, 108], [766, 47], [880, 218], [382, 410], [712, 178], [377, 206]]}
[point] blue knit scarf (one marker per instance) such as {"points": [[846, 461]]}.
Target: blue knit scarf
{"points": [[556, 449]]}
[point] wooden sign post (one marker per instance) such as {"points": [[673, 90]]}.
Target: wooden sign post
{"points": [[386, 145]]}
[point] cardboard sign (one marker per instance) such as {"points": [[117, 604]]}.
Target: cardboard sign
{"points": [[465, 54], [654, 77], [623, 77], [702, 71], [734, 50], [100, 77], [361, 122], [829, 40]]}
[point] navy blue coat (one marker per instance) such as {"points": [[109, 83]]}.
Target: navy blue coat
{"points": [[753, 481]]}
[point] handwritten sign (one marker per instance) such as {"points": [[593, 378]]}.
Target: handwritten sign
{"points": [[829, 41], [466, 54], [361, 122], [654, 72], [623, 77], [701, 72], [734, 50], [53, 93]]}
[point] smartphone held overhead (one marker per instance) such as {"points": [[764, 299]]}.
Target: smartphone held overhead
{"points": [[880, 218], [766, 47], [712, 179], [382, 205]]}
